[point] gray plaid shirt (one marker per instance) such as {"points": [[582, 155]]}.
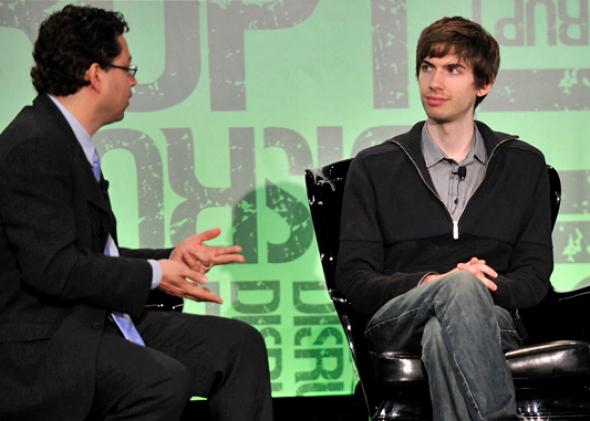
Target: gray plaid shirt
{"points": [[454, 192]]}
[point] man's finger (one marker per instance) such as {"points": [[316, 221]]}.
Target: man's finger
{"points": [[189, 258], [206, 235], [476, 260], [203, 252], [223, 249], [195, 276], [489, 284], [228, 258], [464, 267], [202, 294], [484, 269], [488, 271], [478, 267]]}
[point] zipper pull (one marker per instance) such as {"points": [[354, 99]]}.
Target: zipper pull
{"points": [[455, 230]]}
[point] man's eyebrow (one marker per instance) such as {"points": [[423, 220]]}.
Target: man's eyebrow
{"points": [[455, 65]]}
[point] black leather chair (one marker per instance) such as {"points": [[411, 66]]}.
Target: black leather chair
{"points": [[551, 374]]}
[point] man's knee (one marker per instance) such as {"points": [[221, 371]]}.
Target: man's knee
{"points": [[149, 385], [172, 385], [464, 285], [249, 341], [180, 381]]}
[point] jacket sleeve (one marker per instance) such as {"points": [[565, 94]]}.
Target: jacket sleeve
{"points": [[51, 233], [527, 280], [360, 264], [155, 254]]}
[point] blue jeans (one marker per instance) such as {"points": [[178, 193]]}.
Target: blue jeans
{"points": [[462, 337]]}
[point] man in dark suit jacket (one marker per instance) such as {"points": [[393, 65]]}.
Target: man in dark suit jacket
{"points": [[64, 281]]}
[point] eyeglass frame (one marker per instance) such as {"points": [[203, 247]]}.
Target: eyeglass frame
{"points": [[131, 70]]}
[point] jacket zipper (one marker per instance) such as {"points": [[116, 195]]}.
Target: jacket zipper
{"points": [[455, 223]]}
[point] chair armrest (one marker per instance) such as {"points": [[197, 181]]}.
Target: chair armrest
{"points": [[338, 297], [581, 295], [160, 301], [573, 308], [561, 315]]}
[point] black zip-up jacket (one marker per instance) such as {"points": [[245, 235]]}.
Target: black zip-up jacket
{"points": [[395, 229]]}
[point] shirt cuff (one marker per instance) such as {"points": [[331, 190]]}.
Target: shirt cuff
{"points": [[156, 273]]}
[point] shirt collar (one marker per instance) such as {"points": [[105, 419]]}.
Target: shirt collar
{"points": [[433, 154], [80, 132], [480, 148]]}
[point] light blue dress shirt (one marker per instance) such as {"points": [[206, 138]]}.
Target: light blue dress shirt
{"points": [[85, 141]]}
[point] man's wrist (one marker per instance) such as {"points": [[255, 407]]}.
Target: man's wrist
{"points": [[156, 273]]}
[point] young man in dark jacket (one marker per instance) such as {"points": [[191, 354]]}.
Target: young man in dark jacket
{"points": [[446, 230]]}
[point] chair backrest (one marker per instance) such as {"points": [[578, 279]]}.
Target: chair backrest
{"points": [[544, 322], [325, 187], [554, 193]]}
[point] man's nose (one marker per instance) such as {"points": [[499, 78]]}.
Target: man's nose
{"points": [[436, 79]]}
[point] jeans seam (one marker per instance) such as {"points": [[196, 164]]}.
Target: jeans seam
{"points": [[469, 393], [509, 330], [390, 320]]}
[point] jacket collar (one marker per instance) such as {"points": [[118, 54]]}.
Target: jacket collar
{"points": [[97, 192], [410, 142], [53, 115]]}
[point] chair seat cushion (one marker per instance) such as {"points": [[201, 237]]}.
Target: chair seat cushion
{"points": [[542, 361], [394, 367]]}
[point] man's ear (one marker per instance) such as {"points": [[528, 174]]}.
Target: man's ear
{"points": [[94, 74], [485, 89]]}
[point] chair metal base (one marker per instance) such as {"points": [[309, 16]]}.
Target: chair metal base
{"points": [[414, 406], [532, 404], [391, 410], [552, 404]]}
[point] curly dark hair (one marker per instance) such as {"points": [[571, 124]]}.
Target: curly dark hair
{"points": [[69, 42], [468, 40]]}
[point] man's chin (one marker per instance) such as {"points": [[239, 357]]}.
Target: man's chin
{"points": [[114, 119], [434, 113], [438, 118]]}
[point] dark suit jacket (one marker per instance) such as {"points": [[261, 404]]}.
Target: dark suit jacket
{"points": [[56, 286]]}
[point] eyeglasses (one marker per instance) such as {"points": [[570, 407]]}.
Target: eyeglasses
{"points": [[131, 70]]}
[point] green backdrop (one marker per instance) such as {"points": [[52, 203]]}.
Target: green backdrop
{"points": [[236, 98]]}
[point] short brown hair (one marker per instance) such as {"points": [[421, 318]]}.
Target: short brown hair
{"points": [[468, 40]]}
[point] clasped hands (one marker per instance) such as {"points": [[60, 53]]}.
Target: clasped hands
{"points": [[477, 267], [184, 274]]}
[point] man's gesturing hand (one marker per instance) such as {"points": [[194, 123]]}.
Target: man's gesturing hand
{"points": [[200, 257], [180, 280]]}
